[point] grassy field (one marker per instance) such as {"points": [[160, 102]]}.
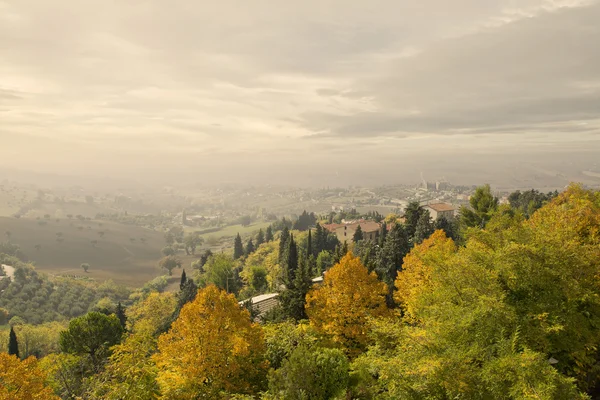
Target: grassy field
{"points": [[123, 253], [232, 230]]}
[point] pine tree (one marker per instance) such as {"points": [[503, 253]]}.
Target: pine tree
{"points": [[412, 213], [309, 250], [319, 242], [121, 314], [238, 247], [396, 246], [183, 280], [424, 228], [269, 234], [448, 227], [283, 244], [358, 234], [13, 344], [187, 293], [249, 247], [344, 250], [383, 234], [260, 238]]}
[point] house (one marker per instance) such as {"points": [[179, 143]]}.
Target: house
{"points": [[439, 210], [369, 229], [263, 303]]}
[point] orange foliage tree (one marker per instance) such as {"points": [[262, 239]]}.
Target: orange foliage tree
{"points": [[342, 306], [22, 379], [212, 350]]}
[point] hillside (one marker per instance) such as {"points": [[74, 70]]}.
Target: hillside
{"points": [[126, 254]]}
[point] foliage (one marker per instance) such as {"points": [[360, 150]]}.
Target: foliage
{"points": [[22, 379], [529, 201], [293, 298], [212, 349], [483, 205], [342, 306], [238, 247], [13, 344], [324, 261], [311, 374], [424, 228], [91, 335], [358, 234], [222, 271], [265, 257], [169, 263]]}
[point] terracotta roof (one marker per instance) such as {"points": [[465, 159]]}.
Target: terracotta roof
{"points": [[441, 207], [331, 227], [367, 226]]}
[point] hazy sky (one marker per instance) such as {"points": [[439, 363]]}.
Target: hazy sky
{"points": [[267, 86]]}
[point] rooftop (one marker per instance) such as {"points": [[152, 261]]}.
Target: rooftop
{"points": [[439, 207]]}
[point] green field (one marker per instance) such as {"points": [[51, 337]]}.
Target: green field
{"points": [[126, 254], [232, 230]]}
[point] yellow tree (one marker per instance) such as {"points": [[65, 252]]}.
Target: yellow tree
{"points": [[415, 276], [342, 306], [22, 380], [212, 349]]}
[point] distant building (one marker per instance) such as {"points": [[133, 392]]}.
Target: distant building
{"points": [[263, 303], [438, 210], [369, 229]]}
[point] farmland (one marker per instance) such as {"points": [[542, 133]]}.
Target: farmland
{"points": [[126, 254]]}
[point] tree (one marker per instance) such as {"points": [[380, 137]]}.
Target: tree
{"points": [[23, 379], [396, 246], [221, 271], [120, 313], [312, 374], [169, 263], [260, 238], [483, 205], [293, 298], [168, 251], [13, 344], [249, 248], [212, 349], [191, 241], [291, 262], [309, 246], [283, 244], [269, 234], [358, 234], [424, 228], [91, 335], [85, 267], [238, 247], [245, 220], [183, 280], [324, 261], [412, 213], [449, 228], [341, 307]]}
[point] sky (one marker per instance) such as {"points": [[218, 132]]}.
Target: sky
{"points": [[302, 91]]}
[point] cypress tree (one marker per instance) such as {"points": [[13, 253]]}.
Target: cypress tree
{"points": [[13, 344], [424, 228], [383, 234], [238, 247], [309, 251], [293, 299], [121, 314], [344, 249], [260, 238], [283, 244], [397, 245], [358, 234], [183, 280], [269, 234], [249, 247], [320, 239], [291, 264]]}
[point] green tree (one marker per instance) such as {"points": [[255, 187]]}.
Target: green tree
{"points": [[168, 251], [238, 247], [311, 374], [260, 238], [183, 280], [13, 344], [283, 244], [169, 263], [293, 298], [249, 248], [91, 335], [358, 235], [269, 234], [120, 313], [221, 271], [424, 228], [324, 261], [412, 213], [483, 205], [291, 262], [85, 267], [191, 241], [449, 228]]}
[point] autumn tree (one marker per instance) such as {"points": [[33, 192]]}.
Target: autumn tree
{"points": [[23, 379], [211, 350], [341, 307]]}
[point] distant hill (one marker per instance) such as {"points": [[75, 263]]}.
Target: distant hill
{"points": [[126, 254]]}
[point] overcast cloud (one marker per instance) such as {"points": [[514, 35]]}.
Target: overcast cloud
{"points": [[157, 86]]}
